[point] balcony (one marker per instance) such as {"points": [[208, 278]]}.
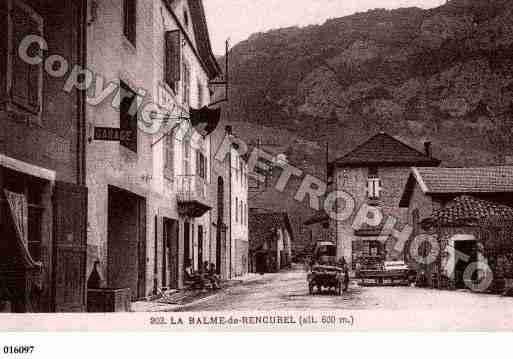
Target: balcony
{"points": [[192, 196]]}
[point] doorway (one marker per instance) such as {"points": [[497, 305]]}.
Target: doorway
{"points": [[221, 230], [126, 237], [468, 248], [170, 263], [200, 248], [187, 244]]}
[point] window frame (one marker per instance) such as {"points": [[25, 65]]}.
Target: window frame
{"points": [[186, 84], [172, 60], [130, 29], [186, 154], [377, 188], [236, 210], [11, 103], [132, 145], [169, 164]]}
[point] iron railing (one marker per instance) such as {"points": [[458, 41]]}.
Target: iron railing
{"points": [[192, 188]]}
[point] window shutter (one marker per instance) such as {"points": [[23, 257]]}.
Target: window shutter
{"points": [[130, 20], [127, 121], [169, 163], [26, 79], [173, 58], [198, 165]]}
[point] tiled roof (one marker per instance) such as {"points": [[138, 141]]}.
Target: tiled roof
{"points": [[385, 149], [262, 226], [468, 210], [465, 180]]}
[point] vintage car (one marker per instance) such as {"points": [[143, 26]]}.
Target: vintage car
{"points": [[325, 272], [325, 277], [389, 273]]}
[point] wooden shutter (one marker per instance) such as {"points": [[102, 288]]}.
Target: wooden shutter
{"points": [[173, 58], [69, 247], [26, 79], [198, 165], [130, 20], [141, 283], [186, 85], [169, 162], [127, 121]]}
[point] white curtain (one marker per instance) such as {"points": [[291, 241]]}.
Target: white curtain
{"points": [[19, 212]]}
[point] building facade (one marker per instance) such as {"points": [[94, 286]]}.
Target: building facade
{"points": [[458, 198], [231, 212], [239, 212], [151, 192], [43, 199], [374, 175]]}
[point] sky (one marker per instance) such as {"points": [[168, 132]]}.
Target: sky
{"points": [[238, 19]]}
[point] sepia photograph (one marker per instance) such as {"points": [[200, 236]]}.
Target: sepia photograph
{"points": [[242, 165]]}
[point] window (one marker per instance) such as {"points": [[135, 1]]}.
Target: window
{"points": [[32, 189], [373, 184], [172, 58], [24, 82], [200, 94], [373, 188], [186, 150], [236, 209], [186, 85], [169, 153], [201, 165], [128, 116], [130, 20]]}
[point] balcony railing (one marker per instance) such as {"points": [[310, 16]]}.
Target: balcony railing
{"points": [[192, 195]]}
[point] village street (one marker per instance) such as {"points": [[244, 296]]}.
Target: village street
{"points": [[287, 291]]}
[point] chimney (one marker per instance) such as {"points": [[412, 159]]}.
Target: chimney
{"points": [[228, 129], [427, 148]]}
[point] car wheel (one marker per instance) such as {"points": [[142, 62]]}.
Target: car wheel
{"points": [[310, 289]]}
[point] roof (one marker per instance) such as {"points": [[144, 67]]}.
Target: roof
{"points": [[442, 181], [203, 48], [468, 210], [202, 37], [384, 149], [262, 226]]}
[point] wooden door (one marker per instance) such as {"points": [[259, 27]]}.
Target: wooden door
{"points": [[69, 247], [171, 263], [142, 249], [200, 248]]}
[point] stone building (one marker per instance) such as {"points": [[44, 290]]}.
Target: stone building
{"points": [[150, 193], [43, 198], [460, 197], [239, 212], [374, 175], [231, 213]]}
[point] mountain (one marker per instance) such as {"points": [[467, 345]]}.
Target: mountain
{"points": [[443, 74]]}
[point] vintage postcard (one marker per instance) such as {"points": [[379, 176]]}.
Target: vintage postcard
{"points": [[292, 165]]}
